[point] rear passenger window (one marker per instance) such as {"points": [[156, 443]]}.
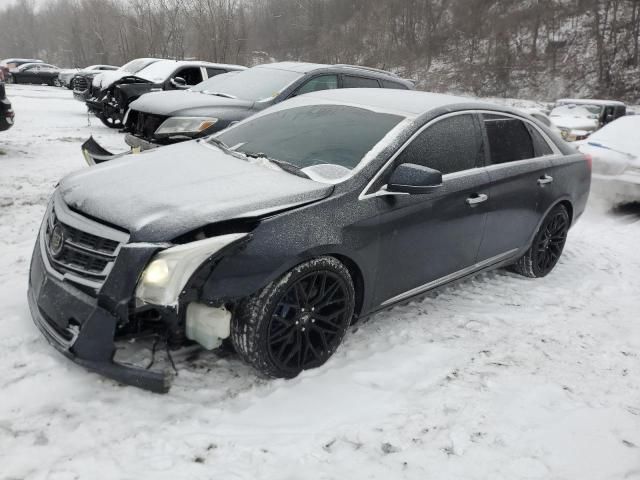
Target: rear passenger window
{"points": [[394, 85], [324, 82], [212, 72], [359, 82], [540, 145], [450, 145], [509, 139]]}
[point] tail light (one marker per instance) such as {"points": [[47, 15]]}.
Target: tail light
{"points": [[589, 160]]}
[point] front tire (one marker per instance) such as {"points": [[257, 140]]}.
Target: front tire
{"points": [[297, 321], [548, 245]]}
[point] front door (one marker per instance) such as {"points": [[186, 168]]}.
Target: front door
{"points": [[427, 238]]}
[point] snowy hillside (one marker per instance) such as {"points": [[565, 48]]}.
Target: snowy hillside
{"points": [[498, 377]]}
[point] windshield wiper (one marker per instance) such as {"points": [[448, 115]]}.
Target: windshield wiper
{"points": [[218, 94], [286, 166]]}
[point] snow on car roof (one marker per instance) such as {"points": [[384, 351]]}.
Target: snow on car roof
{"points": [[586, 101], [409, 103]]}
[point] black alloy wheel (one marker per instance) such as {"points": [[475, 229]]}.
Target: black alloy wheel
{"points": [[547, 246], [111, 117], [298, 321], [309, 321]]}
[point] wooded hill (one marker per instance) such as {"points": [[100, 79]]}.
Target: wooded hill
{"points": [[532, 48]]}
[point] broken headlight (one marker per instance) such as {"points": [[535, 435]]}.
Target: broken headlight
{"points": [[178, 125], [169, 271]]}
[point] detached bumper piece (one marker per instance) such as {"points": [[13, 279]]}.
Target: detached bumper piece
{"points": [[95, 154]]}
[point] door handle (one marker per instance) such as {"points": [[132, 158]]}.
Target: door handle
{"points": [[472, 201], [544, 180]]}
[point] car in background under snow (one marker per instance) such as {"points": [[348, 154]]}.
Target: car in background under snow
{"points": [[113, 101], [615, 150], [7, 115], [164, 118], [544, 118], [35, 73], [66, 77], [577, 119], [88, 85], [280, 231]]}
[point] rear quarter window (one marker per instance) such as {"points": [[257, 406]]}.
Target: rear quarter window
{"points": [[349, 81], [509, 139], [393, 85]]}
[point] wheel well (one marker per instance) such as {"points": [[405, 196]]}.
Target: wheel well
{"points": [[569, 207], [358, 281]]}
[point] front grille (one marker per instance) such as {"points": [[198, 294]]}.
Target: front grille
{"points": [[144, 125], [73, 251], [80, 83]]}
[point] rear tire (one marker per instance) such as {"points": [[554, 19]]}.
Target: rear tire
{"points": [[547, 246], [297, 321]]}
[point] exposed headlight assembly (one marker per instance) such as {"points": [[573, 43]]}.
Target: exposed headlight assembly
{"points": [[169, 270], [192, 125]]}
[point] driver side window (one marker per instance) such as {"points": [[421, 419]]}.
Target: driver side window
{"points": [[192, 75], [449, 145], [323, 82]]}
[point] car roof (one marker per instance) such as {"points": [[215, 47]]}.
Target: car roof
{"points": [[207, 64], [410, 103], [304, 67], [586, 101]]}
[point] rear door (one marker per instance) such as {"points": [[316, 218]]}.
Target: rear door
{"points": [[519, 166], [425, 238]]}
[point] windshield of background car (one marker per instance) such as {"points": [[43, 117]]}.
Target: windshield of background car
{"points": [[309, 136], [135, 66], [252, 84], [588, 111], [159, 71]]}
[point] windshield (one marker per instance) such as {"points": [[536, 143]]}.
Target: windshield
{"points": [[134, 66], [252, 84], [159, 71], [325, 137], [587, 111]]}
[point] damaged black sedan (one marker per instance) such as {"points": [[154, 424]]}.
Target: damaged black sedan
{"points": [[282, 230], [113, 99]]}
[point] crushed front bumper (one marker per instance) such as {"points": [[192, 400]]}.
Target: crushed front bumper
{"points": [[94, 153], [75, 324]]}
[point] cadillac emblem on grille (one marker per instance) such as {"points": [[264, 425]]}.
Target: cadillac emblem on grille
{"points": [[56, 240]]}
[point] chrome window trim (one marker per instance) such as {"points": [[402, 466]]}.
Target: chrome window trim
{"points": [[365, 194]]}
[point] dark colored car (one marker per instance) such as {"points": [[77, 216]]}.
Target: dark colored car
{"points": [[113, 100], [169, 117], [67, 77], [8, 64], [283, 229], [7, 115], [35, 73]]}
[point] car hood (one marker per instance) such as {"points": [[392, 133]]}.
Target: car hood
{"points": [[161, 194], [575, 123], [177, 102], [106, 79]]}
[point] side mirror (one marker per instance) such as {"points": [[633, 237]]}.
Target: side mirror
{"points": [[414, 179], [179, 82]]}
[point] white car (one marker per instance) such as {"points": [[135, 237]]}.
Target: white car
{"points": [[615, 150], [542, 117], [577, 119]]}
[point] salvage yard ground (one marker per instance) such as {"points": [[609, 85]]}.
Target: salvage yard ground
{"points": [[498, 377]]}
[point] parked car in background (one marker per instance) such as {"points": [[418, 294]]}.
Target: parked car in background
{"points": [[113, 101], [615, 150], [88, 84], [168, 117], [35, 73], [542, 117], [577, 119], [280, 231], [67, 77], [9, 63], [7, 115]]}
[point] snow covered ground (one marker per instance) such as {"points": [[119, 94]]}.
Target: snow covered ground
{"points": [[498, 377]]}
